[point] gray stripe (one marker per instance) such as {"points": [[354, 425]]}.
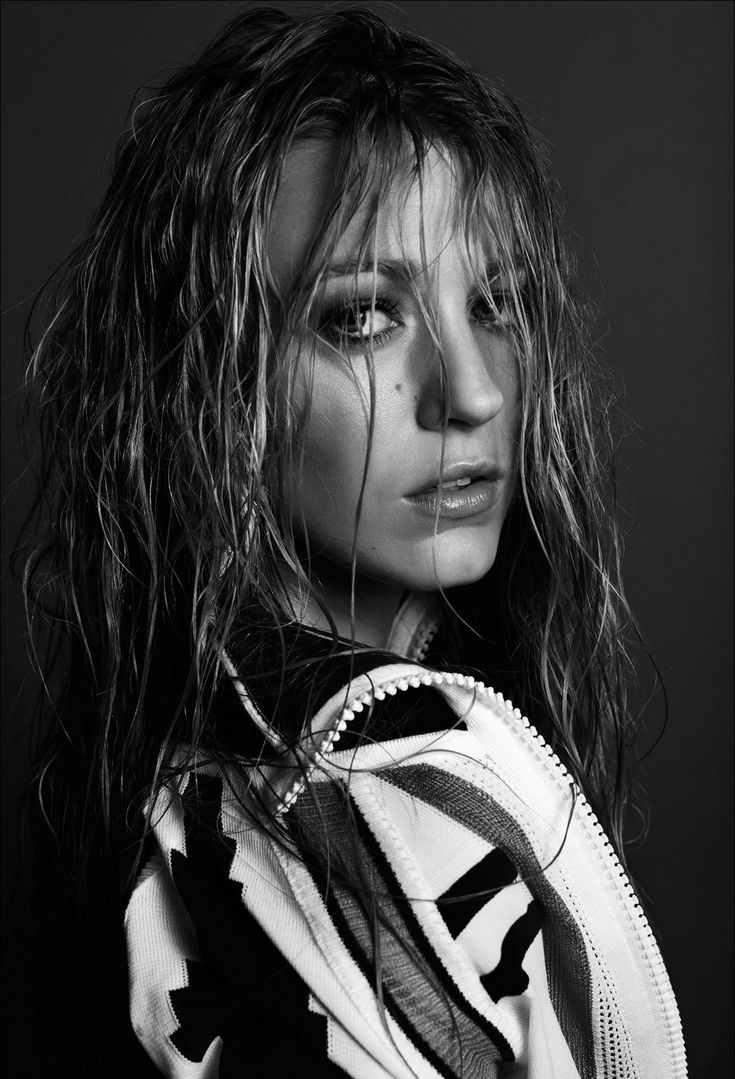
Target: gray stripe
{"points": [[425, 1001], [567, 964]]}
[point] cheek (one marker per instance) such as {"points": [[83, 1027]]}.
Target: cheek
{"points": [[331, 447], [508, 374]]}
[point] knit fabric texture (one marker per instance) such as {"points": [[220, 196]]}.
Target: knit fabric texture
{"points": [[468, 919]]}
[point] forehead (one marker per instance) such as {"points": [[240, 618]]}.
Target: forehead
{"points": [[416, 220]]}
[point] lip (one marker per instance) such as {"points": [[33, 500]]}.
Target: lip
{"points": [[475, 470], [477, 497]]}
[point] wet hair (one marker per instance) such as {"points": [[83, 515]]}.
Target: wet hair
{"points": [[165, 388]]}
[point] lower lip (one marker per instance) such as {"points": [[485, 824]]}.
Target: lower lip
{"points": [[467, 501]]}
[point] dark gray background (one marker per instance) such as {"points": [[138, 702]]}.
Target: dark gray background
{"points": [[635, 100]]}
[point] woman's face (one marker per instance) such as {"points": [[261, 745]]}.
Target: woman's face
{"points": [[443, 443]]}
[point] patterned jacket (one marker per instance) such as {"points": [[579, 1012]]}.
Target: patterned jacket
{"points": [[492, 931]]}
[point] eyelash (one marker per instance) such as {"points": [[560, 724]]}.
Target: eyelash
{"points": [[342, 312], [498, 319]]}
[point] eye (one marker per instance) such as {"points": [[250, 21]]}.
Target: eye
{"points": [[352, 326], [494, 316]]}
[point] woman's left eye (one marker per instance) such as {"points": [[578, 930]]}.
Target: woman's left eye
{"points": [[494, 316], [356, 326]]}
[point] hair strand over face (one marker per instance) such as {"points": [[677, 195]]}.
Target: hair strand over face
{"points": [[167, 407]]}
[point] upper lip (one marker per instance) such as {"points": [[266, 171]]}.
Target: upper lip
{"points": [[474, 470]]}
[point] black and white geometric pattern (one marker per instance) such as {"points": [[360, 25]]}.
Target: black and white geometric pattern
{"points": [[503, 943]]}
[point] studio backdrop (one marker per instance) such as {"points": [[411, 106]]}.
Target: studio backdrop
{"points": [[634, 100]]}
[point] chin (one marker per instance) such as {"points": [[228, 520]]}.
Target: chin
{"points": [[450, 565]]}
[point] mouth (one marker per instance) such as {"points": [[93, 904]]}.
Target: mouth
{"points": [[453, 485], [461, 475], [463, 491]]}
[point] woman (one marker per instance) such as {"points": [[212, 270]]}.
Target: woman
{"points": [[323, 437]]}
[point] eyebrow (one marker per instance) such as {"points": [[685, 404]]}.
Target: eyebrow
{"points": [[397, 268], [391, 267]]}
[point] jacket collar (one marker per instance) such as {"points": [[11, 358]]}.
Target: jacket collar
{"points": [[417, 620]]}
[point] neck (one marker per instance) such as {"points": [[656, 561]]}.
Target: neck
{"points": [[375, 605]]}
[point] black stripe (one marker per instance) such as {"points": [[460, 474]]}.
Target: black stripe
{"points": [[354, 926], [509, 979], [469, 894], [350, 941], [243, 989], [565, 952], [420, 710], [422, 944]]}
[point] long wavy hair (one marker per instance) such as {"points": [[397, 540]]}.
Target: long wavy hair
{"points": [[165, 394]]}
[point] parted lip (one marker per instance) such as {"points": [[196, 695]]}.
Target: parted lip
{"points": [[474, 470]]}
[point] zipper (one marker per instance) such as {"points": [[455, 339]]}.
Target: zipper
{"points": [[414, 626], [513, 717], [423, 639]]}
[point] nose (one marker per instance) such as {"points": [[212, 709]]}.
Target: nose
{"points": [[460, 386]]}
